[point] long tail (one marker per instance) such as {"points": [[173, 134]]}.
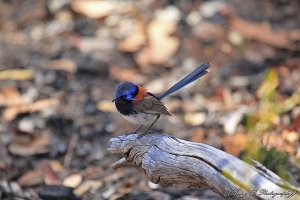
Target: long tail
{"points": [[194, 75]]}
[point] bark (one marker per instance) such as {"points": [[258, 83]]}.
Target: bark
{"points": [[174, 162]]}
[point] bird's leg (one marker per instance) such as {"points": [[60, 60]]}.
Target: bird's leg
{"points": [[141, 135], [157, 117], [136, 130]]}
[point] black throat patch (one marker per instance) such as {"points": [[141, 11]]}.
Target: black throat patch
{"points": [[124, 106]]}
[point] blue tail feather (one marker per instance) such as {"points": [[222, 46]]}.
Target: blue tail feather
{"points": [[194, 75]]}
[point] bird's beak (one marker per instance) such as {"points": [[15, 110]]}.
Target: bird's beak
{"points": [[113, 100]]}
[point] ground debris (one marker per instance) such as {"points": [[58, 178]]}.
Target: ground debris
{"points": [[60, 61]]}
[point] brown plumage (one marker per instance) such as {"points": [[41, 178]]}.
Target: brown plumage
{"points": [[150, 105]]}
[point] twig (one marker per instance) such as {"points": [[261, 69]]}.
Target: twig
{"points": [[72, 144]]}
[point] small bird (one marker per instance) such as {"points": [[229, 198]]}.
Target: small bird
{"points": [[139, 106]]}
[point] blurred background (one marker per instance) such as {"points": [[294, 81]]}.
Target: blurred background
{"points": [[60, 61]]}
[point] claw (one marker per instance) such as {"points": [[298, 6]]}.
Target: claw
{"points": [[143, 134], [136, 130]]}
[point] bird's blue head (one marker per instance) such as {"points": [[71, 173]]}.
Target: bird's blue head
{"points": [[126, 90]]}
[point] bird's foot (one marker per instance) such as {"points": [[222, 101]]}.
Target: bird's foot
{"points": [[136, 130], [142, 135]]}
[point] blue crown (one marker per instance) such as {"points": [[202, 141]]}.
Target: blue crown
{"points": [[126, 90]]}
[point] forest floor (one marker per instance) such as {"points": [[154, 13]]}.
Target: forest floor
{"points": [[60, 61]]}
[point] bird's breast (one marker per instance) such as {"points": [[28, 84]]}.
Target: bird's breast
{"points": [[124, 107], [140, 118]]}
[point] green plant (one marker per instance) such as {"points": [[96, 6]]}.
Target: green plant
{"points": [[265, 119]]}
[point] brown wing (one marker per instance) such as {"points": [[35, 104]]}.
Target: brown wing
{"points": [[150, 105]]}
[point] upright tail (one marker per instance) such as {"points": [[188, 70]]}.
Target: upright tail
{"points": [[194, 75]]}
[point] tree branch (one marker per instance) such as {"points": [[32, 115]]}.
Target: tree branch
{"points": [[174, 162]]}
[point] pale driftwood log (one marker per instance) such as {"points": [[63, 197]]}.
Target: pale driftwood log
{"points": [[174, 162]]}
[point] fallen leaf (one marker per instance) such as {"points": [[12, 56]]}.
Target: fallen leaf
{"points": [[11, 112], [73, 180], [87, 186], [234, 144], [280, 142], [109, 192], [235, 37], [114, 176], [106, 106], [207, 30], [227, 98], [160, 33], [49, 176], [195, 119], [91, 171], [143, 58], [17, 74], [38, 145], [56, 166], [67, 65], [32, 177], [162, 45], [94, 9], [9, 96], [27, 124], [135, 40], [210, 8], [23, 137], [262, 32], [198, 135], [290, 136], [123, 74], [231, 119]]}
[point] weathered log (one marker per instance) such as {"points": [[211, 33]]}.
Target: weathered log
{"points": [[174, 162]]}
